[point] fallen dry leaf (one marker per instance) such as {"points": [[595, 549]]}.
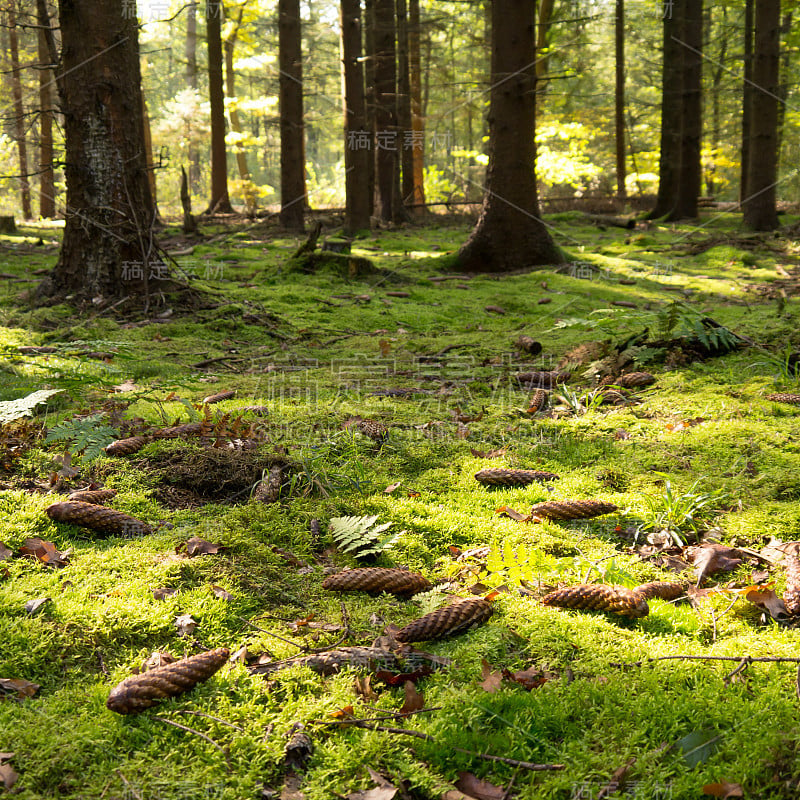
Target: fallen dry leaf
{"points": [[5, 552], [711, 557], [473, 786], [391, 487], [401, 678], [221, 593], [198, 547], [185, 624], [164, 592], [491, 679], [723, 789], [509, 512], [775, 550], [495, 309], [765, 597], [414, 700], [363, 688], [343, 713], [45, 552], [617, 781], [8, 776], [32, 606], [19, 687], [158, 658], [683, 424], [490, 454], [385, 790], [527, 678]]}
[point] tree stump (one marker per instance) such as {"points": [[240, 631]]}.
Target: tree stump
{"points": [[7, 225]]}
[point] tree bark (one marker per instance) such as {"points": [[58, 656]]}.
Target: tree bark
{"points": [[783, 85], [148, 152], [747, 98], [619, 101], [190, 53], [108, 248], [545, 14], [357, 137], [716, 92], [47, 183], [293, 190], [220, 200], [404, 139], [509, 234], [19, 114], [369, 95], [760, 213]]}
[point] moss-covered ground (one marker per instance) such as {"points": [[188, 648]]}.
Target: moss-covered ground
{"points": [[317, 349]]}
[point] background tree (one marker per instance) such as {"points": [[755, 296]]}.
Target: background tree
{"points": [[509, 233], [220, 200], [47, 183], [19, 112]]}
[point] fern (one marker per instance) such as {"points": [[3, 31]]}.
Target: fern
{"points": [[356, 536], [87, 434], [16, 409]]}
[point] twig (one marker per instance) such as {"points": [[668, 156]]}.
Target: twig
{"points": [[186, 728], [797, 683], [753, 659], [133, 791], [270, 633], [383, 718], [743, 665], [208, 716], [485, 756]]}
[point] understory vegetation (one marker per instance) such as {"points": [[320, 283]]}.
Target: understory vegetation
{"points": [[700, 462]]}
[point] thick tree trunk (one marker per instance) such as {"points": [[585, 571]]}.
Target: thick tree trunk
{"points": [[747, 98], [19, 114], [190, 53], [357, 137], [760, 213], [509, 233], [290, 58], [619, 101], [669, 159], [108, 248], [417, 118], [47, 183], [387, 152], [691, 135], [405, 136], [220, 201]]}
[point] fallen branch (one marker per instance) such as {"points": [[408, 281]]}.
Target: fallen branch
{"points": [[749, 659]]}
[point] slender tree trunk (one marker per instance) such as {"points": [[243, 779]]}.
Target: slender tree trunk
{"points": [[716, 91], [509, 234], [691, 135], [290, 59], [760, 213], [619, 101], [747, 98], [19, 114], [369, 97], [386, 110], [669, 159], [783, 86], [108, 248], [404, 139], [417, 118], [220, 201], [148, 152], [47, 183], [357, 137], [190, 53], [542, 44]]}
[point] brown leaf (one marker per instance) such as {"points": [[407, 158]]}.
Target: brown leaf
{"points": [[527, 678], [221, 593], [45, 552], [8, 776], [391, 487], [711, 557], [723, 789], [343, 713], [164, 592], [473, 786], [5, 552], [621, 434], [617, 781], [492, 679], [385, 347], [509, 512], [495, 309], [199, 547], [490, 454], [32, 606], [765, 597], [401, 678], [18, 687], [288, 557], [185, 624], [158, 658], [414, 700], [775, 550], [363, 687]]}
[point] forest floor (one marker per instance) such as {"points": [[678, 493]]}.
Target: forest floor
{"points": [[701, 695]]}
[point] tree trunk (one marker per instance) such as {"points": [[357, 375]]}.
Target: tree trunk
{"points": [[47, 183], [220, 201], [417, 118], [148, 152], [290, 58], [357, 137], [19, 114], [691, 128], [509, 234], [760, 213], [387, 172], [619, 101], [190, 53], [783, 86], [108, 248], [405, 137], [669, 159], [716, 92], [542, 46], [369, 95]]}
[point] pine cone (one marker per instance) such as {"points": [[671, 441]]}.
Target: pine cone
{"points": [[125, 447], [529, 345], [537, 401], [631, 380], [139, 692], [512, 477], [219, 396], [783, 397], [189, 429], [599, 597], [664, 590], [572, 509], [456, 618], [269, 489], [376, 431], [542, 379], [98, 518], [260, 410], [375, 580], [791, 597], [95, 496]]}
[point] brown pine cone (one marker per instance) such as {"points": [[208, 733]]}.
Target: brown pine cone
{"points": [[139, 692], [125, 447], [599, 597], [572, 509], [219, 396], [664, 590], [783, 397], [376, 431], [529, 345], [189, 429], [537, 401], [269, 489], [456, 618], [632, 380], [512, 477], [543, 379], [614, 396], [95, 496], [791, 597], [98, 518], [376, 580]]}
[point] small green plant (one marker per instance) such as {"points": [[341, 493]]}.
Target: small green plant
{"points": [[675, 513], [87, 435], [330, 466], [517, 565], [357, 537], [580, 404]]}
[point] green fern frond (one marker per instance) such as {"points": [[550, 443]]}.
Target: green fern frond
{"points": [[357, 537], [88, 435]]}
